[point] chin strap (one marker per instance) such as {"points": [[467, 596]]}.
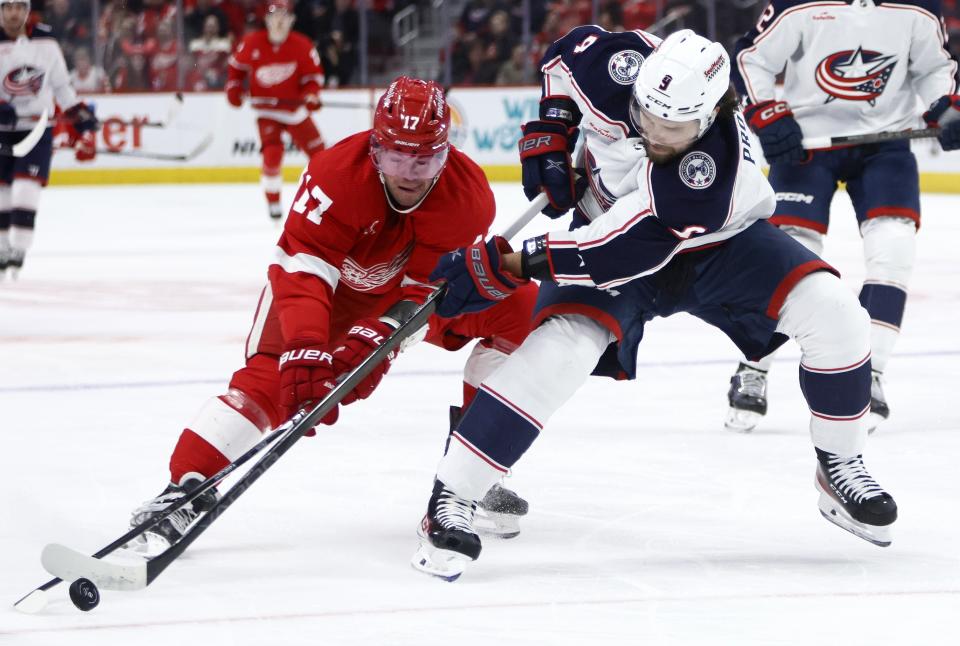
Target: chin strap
{"points": [[396, 207]]}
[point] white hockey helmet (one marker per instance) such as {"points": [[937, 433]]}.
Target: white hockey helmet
{"points": [[683, 79]]}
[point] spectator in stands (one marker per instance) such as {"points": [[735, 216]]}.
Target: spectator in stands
{"points": [[163, 63], [499, 39], [193, 19], [610, 17], [70, 28], [339, 34], [131, 74], [512, 71], [210, 53], [240, 14], [85, 76]]}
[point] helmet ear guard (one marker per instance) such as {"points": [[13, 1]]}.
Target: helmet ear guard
{"points": [[683, 79]]}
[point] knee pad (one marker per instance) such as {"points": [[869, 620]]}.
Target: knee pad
{"points": [[809, 238], [889, 249], [25, 194], [825, 318]]}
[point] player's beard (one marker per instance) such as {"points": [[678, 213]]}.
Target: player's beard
{"points": [[660, 154]]}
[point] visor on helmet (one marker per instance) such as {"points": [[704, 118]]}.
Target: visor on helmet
{"points": [[664, 132], [408, 166]]}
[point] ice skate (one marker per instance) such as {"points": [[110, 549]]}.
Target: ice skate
{"points": [[851, 499], [275, 210], [171, 529], [498, 514], [12, 261], [447, 539], [879, 410], [748, 399]]}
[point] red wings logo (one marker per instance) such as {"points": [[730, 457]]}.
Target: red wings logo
{"points": [[274, 74], [365, 279], [23, 81], [859, 75]]}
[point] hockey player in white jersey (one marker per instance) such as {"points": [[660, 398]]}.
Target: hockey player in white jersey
{"points": [[851, 68], [691, 236], [33, 75]]}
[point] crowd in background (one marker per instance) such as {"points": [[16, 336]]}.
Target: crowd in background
{"points": [[135, 44]]}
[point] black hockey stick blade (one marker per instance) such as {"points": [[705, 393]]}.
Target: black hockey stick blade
{"points": [[815, 143], [25, 145], [67, 563]]}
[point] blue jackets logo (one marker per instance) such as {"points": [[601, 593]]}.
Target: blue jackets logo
{"points": [[23, 81], [625, 66], [698, 170], [855, 75]]}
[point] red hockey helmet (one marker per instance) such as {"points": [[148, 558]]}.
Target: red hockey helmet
{"points": [[410, 128], [279, 5]]}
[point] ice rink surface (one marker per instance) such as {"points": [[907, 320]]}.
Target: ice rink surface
{"points": [[649, 523]]}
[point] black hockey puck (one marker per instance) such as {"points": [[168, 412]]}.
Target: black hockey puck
{"points": [[84, 594]]}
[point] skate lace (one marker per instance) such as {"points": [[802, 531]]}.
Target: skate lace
{"points": [[180, 519], [850, 475], [752, 383], [454, 512]]}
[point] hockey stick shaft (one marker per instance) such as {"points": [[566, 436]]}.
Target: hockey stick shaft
{"points": [[301, 423], [814, 143], [188, 498]]}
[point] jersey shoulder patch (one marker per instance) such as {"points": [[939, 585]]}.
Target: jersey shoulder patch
{"points": [[697, 186]]}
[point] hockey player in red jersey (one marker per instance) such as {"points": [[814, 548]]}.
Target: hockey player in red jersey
{"points": [[371, 218], [283, 75]]}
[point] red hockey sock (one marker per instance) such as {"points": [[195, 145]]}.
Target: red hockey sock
{"points": [[195, 454]]}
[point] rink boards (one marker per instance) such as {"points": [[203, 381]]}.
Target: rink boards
{"points": [[485, 124]]}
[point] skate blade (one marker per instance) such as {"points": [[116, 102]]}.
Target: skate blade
{"points": [[741, 421], [495, 524], [443, 564], [836, 514]]}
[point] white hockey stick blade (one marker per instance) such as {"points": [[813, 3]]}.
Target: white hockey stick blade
{"points": [[70, 565], [200, 147], [174, 109], [25, 145], [33, 603]]}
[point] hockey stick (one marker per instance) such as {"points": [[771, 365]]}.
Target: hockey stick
{"points": [[25, 145], [814, 143], [146, 154], [36, 600], [69, 564]]}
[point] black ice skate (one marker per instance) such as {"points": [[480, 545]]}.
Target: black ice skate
{"points": [[171, 529], [850, 498], [498, 514], [748, 399], [447, 539], [879, 410]]}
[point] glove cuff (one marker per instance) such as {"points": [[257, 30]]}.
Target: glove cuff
{"points": [[762, 114], [562, 109]]}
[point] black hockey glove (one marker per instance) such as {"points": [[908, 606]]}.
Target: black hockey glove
{"points": [[779, 133], [82, 117], [545, 149], [8, 114], [475, 278], [944, 113]]}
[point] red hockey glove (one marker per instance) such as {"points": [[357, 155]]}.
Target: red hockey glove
{"points": [[779, 133], [363, 338], [306, 375], [85, 147], [944, 113], [311, 102], [235, 95], [475, 279]]}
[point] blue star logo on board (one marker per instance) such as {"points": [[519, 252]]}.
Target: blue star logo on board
{"points": [[698, 170], [624, 66], [855, 75]]}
